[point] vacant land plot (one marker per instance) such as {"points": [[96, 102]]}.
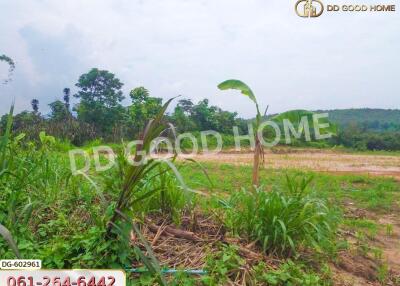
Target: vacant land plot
{"points": [[368, 245], [316, 160], [301, 227]]}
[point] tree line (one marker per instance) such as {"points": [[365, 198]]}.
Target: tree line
{"points": [[99, 113]]}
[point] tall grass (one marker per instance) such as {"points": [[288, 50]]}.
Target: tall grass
{"points": [[135, 175], [136, 178], [282, 221], [4, 169]]}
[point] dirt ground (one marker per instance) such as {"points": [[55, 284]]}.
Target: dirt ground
{"points": [[358, 270], [314, 159]]}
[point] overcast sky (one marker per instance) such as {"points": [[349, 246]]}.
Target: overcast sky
{"points": [[176, 47]]}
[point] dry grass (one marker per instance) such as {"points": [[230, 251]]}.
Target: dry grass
{"points": [[186, 246]]}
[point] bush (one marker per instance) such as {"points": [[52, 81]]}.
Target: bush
{"points": [[282, 221]]}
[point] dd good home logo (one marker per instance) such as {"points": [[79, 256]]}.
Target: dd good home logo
{"points": [[315, 8], [309, 8]]}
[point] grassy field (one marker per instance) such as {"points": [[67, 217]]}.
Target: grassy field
{"points": [[298, 228], [202, 222]]}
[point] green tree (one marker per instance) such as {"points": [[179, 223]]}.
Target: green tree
{"points": [[59, 111], [67, 94], [204, 115], [186, 105], [143, 108], [181, 117], [181, 121], [100, 94], [194, 117], [11, 64], [225, 121], [35, 105]]}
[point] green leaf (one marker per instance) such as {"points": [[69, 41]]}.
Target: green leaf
{"points": [[5, 138], [42, 136], [238, 85], [5, 233]]}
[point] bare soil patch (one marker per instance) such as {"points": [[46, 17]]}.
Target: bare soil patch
{"points": [[355, 268], [315, 160]]}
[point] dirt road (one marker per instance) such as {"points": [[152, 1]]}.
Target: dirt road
{"points": [[314, 159]]}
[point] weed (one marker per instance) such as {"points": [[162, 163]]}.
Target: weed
{"points": [[289, 273], [389, 229], [170, 198], [369, 226], [283, 221], [223, 266], [383, 273]]}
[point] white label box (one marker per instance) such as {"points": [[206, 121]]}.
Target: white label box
{"points": [[76, 277]]}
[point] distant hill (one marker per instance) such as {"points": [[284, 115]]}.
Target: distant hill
{"points": [[368, 118], [365, 119]]}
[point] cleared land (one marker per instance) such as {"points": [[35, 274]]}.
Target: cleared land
{"points": [[315, 160]]}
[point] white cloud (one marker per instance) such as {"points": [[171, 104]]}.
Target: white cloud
{"points": [[187, 47]]}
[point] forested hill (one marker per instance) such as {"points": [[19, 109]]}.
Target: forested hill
{"points": [[368, 118]]}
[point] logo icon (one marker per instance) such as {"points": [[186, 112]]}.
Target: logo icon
{"points": [[306, 9]]}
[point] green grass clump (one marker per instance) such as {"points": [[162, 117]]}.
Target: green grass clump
{"points": [[167, 196], [283, 221], [289, 273], [370, 227]]}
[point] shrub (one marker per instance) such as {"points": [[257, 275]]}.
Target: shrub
{"points": [[282, 221]]}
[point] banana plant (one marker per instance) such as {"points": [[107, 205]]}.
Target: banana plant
{"points": [[258, 150]]}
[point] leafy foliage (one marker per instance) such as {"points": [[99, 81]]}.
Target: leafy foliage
{"points": [[222, 265], [258, 149], [35, 105], [4, 169], [367, 119], [289, 273], [241, 86], [283, 221], [66, 97], [100, 94], [11, 64], [143, 108], [169, 198], [59, 111], [188, 116], [296, 118]]}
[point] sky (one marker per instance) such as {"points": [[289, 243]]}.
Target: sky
{"points": [[182, 47]]}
